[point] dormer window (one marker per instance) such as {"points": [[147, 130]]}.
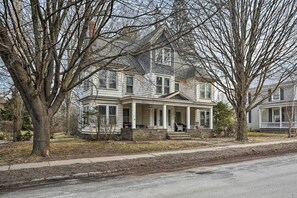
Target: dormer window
{"points": [[163, 56]]}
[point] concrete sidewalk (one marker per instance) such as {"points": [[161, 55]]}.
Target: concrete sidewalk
{"points": [[126, 157]]}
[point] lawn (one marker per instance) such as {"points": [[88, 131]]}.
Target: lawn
{"points": [[19, 152]]}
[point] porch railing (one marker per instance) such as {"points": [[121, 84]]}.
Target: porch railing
{"points": [[278, 125]]}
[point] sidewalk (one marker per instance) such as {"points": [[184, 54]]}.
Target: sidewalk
{"points": [[127, 157]]}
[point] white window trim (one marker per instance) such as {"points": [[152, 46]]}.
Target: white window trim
{"points": [[279, 94], [87, 106], [163, 56], [107, 112], [205, 115], [107, 80], [205, 92], [132, 85], [163, 85], [273, 116]]}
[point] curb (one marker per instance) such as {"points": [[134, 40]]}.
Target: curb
{"points": [[60, 178]]}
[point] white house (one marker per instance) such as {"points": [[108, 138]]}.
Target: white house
{"points": [[277, 112], [156, 90]]}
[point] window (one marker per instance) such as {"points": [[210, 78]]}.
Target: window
{"points": [[86, 84], [176, 87], [162, 85], [112, 115], [102, 114], [107, 114], [277, 95], [102, 78], [166, 85], [163, 56], [159, 85], [126, 115], [107, 79], [205, 90], [129, 84], [85, 116], [204, 118]]}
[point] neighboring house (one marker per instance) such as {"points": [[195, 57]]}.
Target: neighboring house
{"points": [[278, 112], [156, 90]]}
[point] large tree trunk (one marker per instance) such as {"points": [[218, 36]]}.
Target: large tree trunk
{"points": [[241, 134], [41, 126]]}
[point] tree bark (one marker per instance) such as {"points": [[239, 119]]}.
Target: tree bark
{"points": [[41, 125], [241, 134]]}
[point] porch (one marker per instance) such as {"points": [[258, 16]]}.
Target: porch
{"points": [[169, 115], [278, 117]]}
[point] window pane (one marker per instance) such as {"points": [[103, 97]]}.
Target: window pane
{"points": [[208, 90], [159, 81], [86, 85], [112, 110], [159, 55], [129, 80], [112, 119], [112, 79], [102, 110], [159, 85], [202, 118], [166, 85], [202, 90], [176, 86], [129, 86], [102, 79], [167, 56]]}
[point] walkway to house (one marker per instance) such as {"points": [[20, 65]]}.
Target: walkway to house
{"points": [[126, 157]]}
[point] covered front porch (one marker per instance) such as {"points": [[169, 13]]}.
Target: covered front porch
{"points": [[168, 114], [278, 117]]}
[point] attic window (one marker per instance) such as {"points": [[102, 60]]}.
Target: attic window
{"points": [[163, 56]]}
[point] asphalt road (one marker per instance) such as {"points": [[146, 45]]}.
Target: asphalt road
{"points": [[274, 177]]}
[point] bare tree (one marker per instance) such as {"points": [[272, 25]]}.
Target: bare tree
{"points": [[37, 36], [247, 42]]}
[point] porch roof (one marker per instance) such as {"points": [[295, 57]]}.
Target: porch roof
{"points": [[166, 101], [278, 104]]}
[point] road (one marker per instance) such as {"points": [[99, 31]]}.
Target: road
{"points": [[274, 177]]}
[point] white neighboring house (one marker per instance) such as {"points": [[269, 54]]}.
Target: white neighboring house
{"points": [[157, 91], [277, 112]]}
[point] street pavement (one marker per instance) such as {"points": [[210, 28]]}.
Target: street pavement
{"points": [[271, 178]]}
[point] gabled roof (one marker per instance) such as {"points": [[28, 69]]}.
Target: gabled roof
{"points": [[175, 95]]}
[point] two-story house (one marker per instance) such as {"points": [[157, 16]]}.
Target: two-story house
{"points": [[156, 90], [278, 112]]}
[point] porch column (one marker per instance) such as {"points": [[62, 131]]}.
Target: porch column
{"points": [[164, 117], [260, 118], [211, 118], [188, 118], [151, 116], [280, 118], [133, 115]]}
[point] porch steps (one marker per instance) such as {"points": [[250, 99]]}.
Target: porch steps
{"points": [[179, 136]]}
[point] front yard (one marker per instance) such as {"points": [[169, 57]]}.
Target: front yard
{"points": [[11, 153]]}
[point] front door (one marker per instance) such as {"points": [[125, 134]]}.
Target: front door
{"points": [[178, 117]]}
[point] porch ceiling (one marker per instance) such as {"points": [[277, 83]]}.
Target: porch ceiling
{"points": [[278, 104]]}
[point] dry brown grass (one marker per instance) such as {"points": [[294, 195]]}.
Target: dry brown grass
{"points": [[20, 152], [13, 153]]}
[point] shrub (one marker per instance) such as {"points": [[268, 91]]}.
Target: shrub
{"points": [[1, 136], [224, 122], [25, 136]]}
